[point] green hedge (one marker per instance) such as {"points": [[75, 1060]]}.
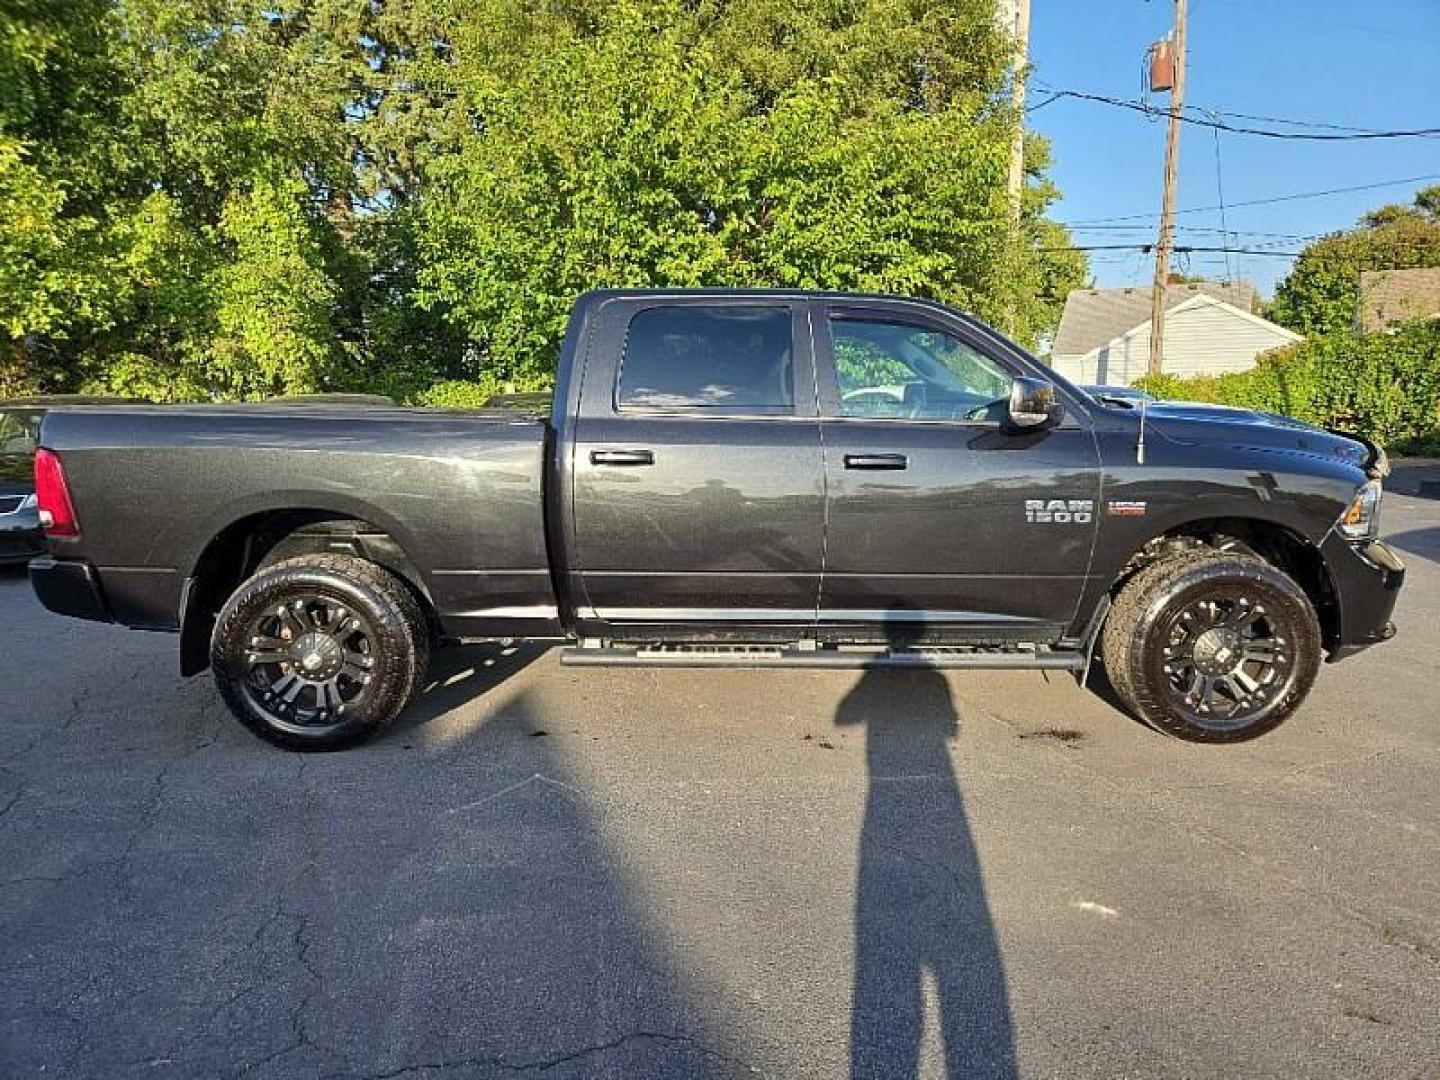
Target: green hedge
{"points": [[472, 394], [1383, 386]]}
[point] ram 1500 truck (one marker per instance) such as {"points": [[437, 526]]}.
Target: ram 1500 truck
{"points": [[761, 478]]}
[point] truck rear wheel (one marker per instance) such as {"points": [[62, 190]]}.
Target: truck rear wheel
{"points": [[319, 652], [1212, 647]]}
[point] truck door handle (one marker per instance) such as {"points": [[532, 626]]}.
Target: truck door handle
{"points": [[622, 457], [876, 461]]}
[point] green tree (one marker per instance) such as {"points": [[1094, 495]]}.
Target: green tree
{"points": [[1321, 294], [60, 165], [655, 143], [224, 198], [1385, 387]]}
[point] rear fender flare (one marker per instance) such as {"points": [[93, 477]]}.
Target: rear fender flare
{"points": [[198, 605]]}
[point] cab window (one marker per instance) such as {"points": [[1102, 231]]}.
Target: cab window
{"points": [[896, 370], [723, 358]]}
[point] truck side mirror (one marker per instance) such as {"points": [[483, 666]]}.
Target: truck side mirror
{"points": [[1033, 404]]}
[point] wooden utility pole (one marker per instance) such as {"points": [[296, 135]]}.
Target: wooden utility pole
{"points": [[1167, 210], [1015, 18]]}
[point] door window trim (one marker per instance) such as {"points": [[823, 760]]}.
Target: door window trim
{"points": [[803, 391], [827, 381], [828, 376]]}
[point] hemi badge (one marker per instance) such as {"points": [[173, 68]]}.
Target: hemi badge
{"points": [[1122, 508]]}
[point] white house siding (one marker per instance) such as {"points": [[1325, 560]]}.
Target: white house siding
{"points": [[1202, 337]]}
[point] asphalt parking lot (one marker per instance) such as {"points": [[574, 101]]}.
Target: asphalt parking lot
{"points": [[579, 873]]}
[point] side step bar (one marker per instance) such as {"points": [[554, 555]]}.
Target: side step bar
{"points": [[778, 656]]}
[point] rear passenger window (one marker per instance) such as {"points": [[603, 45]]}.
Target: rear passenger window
{"points": [[733, 358]]}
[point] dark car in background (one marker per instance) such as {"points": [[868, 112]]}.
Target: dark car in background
{"points": [[20, 536]]}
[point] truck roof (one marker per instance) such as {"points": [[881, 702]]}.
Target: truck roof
{"points": [[594, 296]]}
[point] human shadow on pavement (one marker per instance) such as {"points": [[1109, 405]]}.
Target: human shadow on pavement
{"points": [[920, 911], [447, 906]]}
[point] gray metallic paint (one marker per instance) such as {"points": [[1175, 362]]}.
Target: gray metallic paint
{"points": [[729, 534], [948, 533], [460, 493]]}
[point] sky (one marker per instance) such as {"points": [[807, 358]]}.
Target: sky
{"points": [[1373, 65]]}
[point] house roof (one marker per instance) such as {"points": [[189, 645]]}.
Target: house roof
{"points": [[1203, 300], [1094, 316], [1390, 296]]}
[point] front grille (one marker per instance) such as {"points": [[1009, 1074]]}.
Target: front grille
{"points": [[10, 503]]}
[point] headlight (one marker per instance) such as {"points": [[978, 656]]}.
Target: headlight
{"points": [[1361, 520]]}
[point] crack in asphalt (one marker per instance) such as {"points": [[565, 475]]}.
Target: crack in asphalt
{"points": [[145, 823], [300, 947], [22, 753], [299, 1031], [948, 874], [545, 1064], [19, 794], [148, 818], [40, 879]]}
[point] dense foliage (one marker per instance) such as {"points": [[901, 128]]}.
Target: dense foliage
{"points": [[1383, 386], [1321, 294], [227, 198]]}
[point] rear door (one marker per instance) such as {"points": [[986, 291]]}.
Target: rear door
{"points": [[943, 523], [698, 499]]}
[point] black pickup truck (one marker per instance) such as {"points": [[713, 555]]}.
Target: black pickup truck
{"points": [[752, 478]]}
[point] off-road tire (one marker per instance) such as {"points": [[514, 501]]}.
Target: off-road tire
{"points": [[1152, 654], [395, 643]]}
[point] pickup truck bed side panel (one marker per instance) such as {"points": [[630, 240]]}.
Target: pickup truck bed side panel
{"points": [[459, 492]]}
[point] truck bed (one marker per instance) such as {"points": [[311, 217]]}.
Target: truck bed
{"points": [[460, 492]]}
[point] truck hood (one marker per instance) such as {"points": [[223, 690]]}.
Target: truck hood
{"points": [[1185, 422]]}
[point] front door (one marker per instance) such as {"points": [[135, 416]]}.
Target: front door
{"points": [[943, 522], [699, 487]]}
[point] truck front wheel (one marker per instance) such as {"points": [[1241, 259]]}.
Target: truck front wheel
{"points": [[319, 652], [1212, 647]]}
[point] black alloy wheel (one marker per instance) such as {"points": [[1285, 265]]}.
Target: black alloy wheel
{"points": [[1225, 660], [319, 652], [1212, 646], [310, 659]]}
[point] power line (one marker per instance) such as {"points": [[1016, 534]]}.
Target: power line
{"points": [[1319, 124], [1179, 249], [1199, 229], [1060, 95], [1198, 248], [1390, 244], [1239, 129], [1265, 201], [1041, 104], [1220, 194]]}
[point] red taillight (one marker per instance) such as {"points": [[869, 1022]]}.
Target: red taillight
{"points": [[57, 513]]}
